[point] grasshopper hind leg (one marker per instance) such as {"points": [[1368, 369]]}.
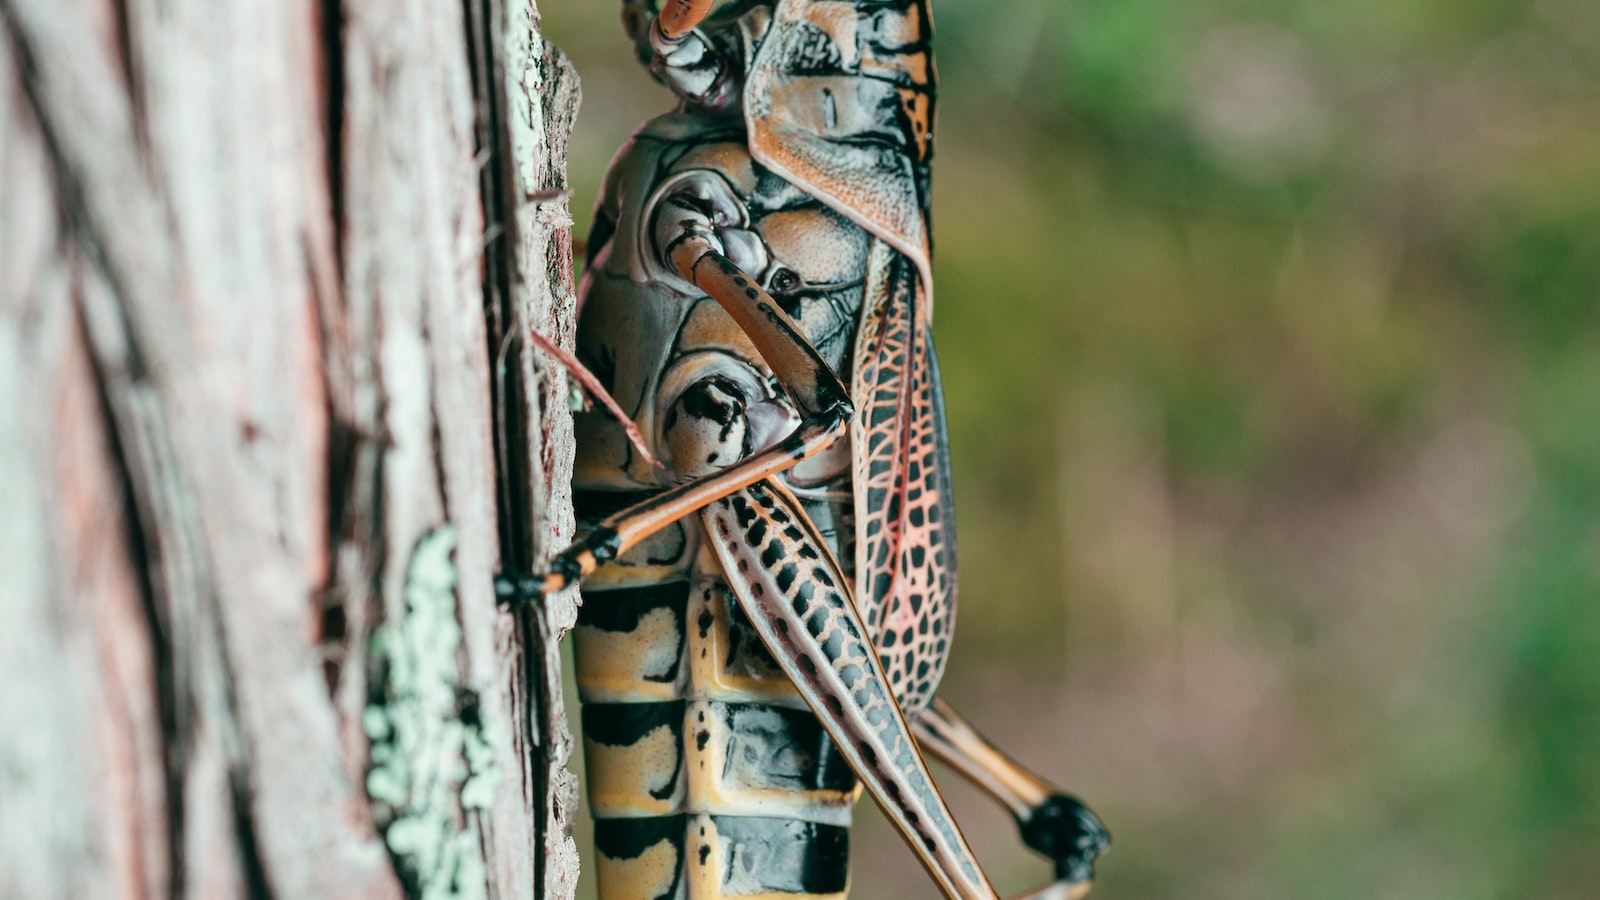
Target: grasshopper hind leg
{"points": [[1052, 822], [791, 589]]}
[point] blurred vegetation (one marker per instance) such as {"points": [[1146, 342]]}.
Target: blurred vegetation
{"points": [[1269, 332]]}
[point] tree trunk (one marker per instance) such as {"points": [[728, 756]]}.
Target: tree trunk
{"points": [[265, 269]]}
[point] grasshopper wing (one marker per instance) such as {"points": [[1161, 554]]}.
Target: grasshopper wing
{"points": [[905, 522]]}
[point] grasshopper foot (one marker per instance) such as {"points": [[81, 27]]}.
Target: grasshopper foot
{"points": [[569, 567], [1065, 830]]}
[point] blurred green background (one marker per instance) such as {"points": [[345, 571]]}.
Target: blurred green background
{"points": [[1271, 337]]}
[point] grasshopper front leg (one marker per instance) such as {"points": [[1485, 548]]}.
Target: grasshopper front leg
{"points": [[703, 71]]}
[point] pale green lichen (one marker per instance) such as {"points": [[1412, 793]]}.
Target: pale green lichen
{"points": [[432, 745]]}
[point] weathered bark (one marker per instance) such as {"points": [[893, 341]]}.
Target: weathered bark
{"points": [[264, 265]]}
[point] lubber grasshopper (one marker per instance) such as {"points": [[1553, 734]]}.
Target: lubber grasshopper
{"points": [[766, 618]]}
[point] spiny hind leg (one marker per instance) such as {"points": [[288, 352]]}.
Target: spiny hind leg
{"points": [[1053, 822], [791, 589]]}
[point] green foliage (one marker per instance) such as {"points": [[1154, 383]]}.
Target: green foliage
{"points": [[1322, 246]]}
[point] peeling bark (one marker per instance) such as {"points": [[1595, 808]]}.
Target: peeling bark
{"points": [[264, 265]]}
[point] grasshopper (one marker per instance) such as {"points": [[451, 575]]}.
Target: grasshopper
{"points": [[768, 614]]}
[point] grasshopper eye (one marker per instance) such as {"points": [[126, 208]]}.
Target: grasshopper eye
{"points": [[783, 281]]}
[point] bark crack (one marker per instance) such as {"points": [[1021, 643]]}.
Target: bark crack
{"points": [[135, 521], [333, 101]]}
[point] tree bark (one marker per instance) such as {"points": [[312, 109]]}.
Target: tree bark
{"points": [[265, 269]]}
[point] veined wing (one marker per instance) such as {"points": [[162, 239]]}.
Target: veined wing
{"points": [[905, 526]]}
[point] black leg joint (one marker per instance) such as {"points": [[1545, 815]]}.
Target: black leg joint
{"points": [[604, 543], [567, 566], [515, 588], [1065, 830]]}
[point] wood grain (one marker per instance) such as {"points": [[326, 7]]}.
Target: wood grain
{"points": [[252, 338]]}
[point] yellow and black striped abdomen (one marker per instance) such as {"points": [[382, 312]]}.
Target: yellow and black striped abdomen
{"points": [[708, 776]]}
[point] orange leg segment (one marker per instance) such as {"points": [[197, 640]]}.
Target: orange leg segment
{"points": [[1053, 823], [679, 17], [620, 532]]}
